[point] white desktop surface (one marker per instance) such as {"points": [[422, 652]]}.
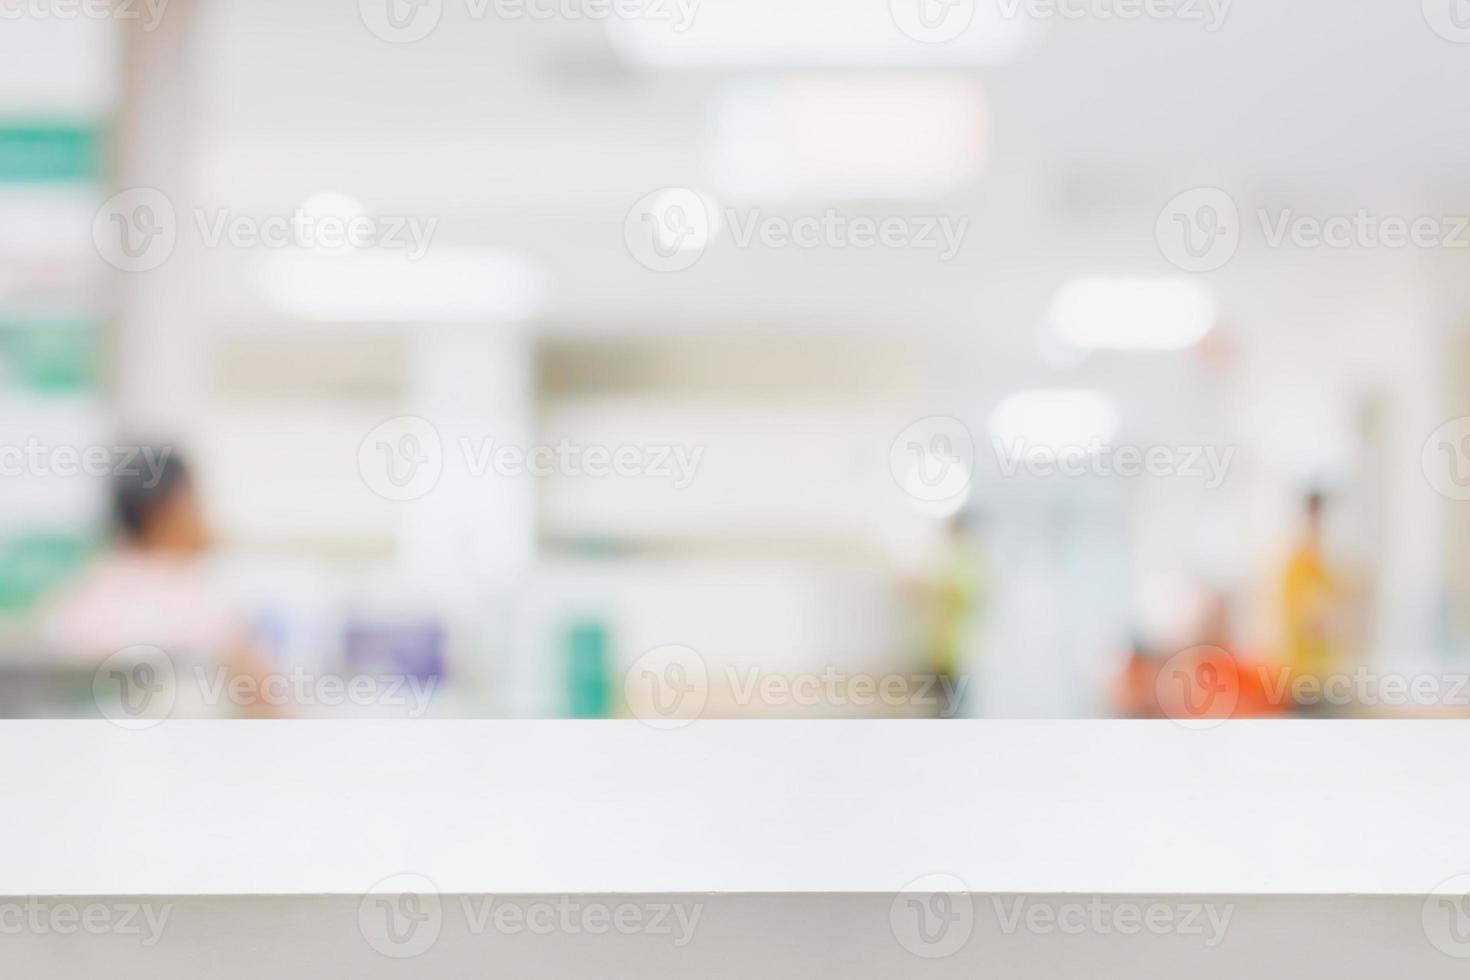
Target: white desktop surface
{"points": [[526, 807]]}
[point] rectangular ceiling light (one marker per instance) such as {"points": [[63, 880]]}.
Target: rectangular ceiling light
{"points": [[447, 285], [1054, 421], [1123, 313], [845, 137], [821, 34]]}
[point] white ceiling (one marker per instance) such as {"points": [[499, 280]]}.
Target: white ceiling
{"points": [[535, 136], [1305, 89]]}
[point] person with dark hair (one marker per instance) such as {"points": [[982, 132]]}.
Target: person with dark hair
{"points": [[153, 590], [157, 508]]}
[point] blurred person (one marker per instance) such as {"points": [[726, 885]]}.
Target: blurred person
{"points": [[1249, 669], [1135, 690], [954, 605], [1311, 600], [153, 589], [1213, 678]]}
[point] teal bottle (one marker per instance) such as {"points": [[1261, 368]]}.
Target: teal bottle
{"points": [[589, 691]]}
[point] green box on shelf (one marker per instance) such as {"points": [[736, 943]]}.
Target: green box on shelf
{"points": [[51, 356], [45, 152], [32, 565]]}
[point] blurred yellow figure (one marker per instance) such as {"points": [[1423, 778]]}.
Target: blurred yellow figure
{"points": [[1310, 594], [955, 601]]}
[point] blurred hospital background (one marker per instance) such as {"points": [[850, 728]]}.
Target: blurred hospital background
{"points": [[799, 358]]}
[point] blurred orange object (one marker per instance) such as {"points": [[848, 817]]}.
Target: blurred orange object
{"points": [[1201, 682]]}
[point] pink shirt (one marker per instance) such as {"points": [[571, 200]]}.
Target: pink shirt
{"points": [[130, 598]]}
